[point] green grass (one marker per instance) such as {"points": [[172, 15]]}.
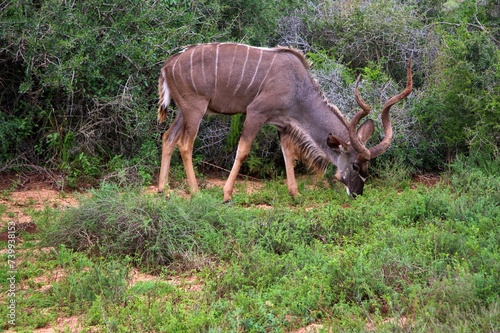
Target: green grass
{"points": [[428, 257]]}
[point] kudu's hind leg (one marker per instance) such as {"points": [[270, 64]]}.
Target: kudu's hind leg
{"points": [[251, 128], [186, 143], [192, 122], [169, 140]]}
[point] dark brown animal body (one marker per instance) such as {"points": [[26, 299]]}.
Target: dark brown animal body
{"points": [[270, 86]]}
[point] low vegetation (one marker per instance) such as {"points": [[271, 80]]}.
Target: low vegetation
{"points": [[402, 258]]}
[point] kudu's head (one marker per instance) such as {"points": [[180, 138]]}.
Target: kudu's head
{"points": [[352, 164]]}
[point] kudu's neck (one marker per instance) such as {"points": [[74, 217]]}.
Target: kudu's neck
{"points": [[309, 125]]}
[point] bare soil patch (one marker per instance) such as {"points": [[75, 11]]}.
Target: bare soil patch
{"points": [[21, 194], [73, 324], [312, 328], [428, 179]]}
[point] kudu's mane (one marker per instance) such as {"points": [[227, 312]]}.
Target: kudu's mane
{"points": [[306, 150]]}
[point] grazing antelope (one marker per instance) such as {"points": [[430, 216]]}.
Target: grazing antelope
{"points": [[270, 86]]}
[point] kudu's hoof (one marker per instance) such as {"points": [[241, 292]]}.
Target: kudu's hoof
{"points": [[163, 193]]}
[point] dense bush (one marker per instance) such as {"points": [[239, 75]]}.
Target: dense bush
{"points": [[361, 31], [79, 78], [454, 46], [87, 75], [460, 110]]}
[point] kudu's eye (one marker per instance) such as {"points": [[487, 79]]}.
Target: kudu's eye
{"points": [[355, 167]]}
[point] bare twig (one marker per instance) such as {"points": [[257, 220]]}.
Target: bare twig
{"points": [[228, 171]]}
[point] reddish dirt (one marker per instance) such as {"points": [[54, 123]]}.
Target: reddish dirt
{"points": [[427, 179], [312, 328], [20, 203], [63, 324]]}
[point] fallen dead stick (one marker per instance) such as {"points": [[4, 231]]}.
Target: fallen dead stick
{"points": [[229, 171]]}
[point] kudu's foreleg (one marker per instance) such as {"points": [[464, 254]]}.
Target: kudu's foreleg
{"points": [[289, 155], [251, 128]]}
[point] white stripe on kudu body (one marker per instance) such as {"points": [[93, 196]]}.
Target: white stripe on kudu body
{"points": [[270, 86], [268, 71], [216, 68], [232, 66], [256, 70], [242, 71], [173, 72], [191, 70], [203, 64]]}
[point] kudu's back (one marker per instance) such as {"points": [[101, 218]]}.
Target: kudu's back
{"points": [[230, 76]]}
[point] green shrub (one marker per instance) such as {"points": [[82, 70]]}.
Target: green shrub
{"points": [[13, 132], [459, 112], [152, 231], [82, 287]]}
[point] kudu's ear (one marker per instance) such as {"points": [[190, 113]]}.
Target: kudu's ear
{"points": [[365, 131], [335, 142]]}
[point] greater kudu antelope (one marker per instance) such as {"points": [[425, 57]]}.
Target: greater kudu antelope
{"points": [[270, 86]]}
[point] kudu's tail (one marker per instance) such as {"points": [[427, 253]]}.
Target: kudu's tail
{"points": [[164, 97]]}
